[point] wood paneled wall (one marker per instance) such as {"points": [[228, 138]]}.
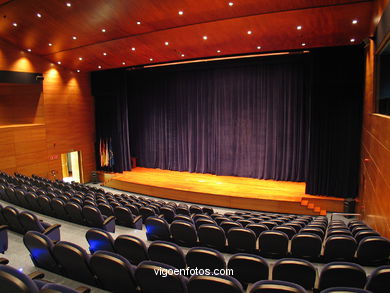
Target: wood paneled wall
{"points": [[375, 159], [63, 120]]}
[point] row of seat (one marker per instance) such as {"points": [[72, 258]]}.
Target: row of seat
{"points": [[113, 270], [15, 281], [22, 222], [372, 250]]}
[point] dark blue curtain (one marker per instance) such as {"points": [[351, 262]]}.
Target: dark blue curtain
{"points": [[248, 120]]}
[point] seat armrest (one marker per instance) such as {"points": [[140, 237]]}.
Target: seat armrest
{"points": [[161, 216], [83, 289], [51, 228], [36, 275], [137, 222], [3, 261], [108, 220]]}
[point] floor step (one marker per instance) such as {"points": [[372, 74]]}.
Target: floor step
{"points": [[304, 202], [310, 206]]}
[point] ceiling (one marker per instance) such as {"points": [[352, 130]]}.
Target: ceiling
{"points": [[89, 35]]}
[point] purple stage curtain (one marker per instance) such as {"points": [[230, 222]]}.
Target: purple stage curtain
{"points": [[247, 120]]}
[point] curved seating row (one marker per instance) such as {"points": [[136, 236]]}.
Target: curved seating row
{"points": [[114, 271]]}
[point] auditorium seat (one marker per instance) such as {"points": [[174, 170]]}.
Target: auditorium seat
{"points": [[241, 240], [316, 231], [276, 287], [150, 281], [357, 229], [168, 213], [45, 204], [74, 212], [215, 284], [359, 236], [30, 222], [74, 262], [146, 212], [194, 209], [11, 216], [273, 244], [270, 225], [124, 217], [94, 218], [220, 219], [114, 272], [379, 280], [245, 222], [290, 231], [58, 206], [14, 281], [339, 247], [227, 225], [184, 218], [99, 239], [297, 271], [168, 253], [338, 231], [3, 238], [184, 233], [257, 228], [132, 248], [208, 210], [58, 288], [345, 290], [248, 268], [20, 196], [373, 251], [297, 227], [205, 258], [105, 209], [204, 221], [157, 229], [32, 200], [306, 246], [183, 210], [212, 236], [342, 274]]}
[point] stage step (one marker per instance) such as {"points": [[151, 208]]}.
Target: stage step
{"points": [[313, 207]]}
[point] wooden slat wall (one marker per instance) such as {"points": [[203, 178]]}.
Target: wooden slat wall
{"points": [[375, 160], [64, 120]]}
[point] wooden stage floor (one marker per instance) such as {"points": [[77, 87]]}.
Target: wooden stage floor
{"points": [[225, 191]]}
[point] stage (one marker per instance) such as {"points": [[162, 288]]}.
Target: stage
{"points": [[225, 191]]}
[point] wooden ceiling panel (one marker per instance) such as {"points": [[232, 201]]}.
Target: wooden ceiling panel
{"points": [[273, 25]]}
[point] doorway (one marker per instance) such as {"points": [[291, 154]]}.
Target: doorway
{"points": [[71, 164]]}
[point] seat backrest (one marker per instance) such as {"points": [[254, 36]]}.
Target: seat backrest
{"points": [[167, 253], [248, 268], [273, 244], [168, 213], [74, 261], [93, 216], [99, 239], [113, 271], [11, 216], [379, 280], [242, 240], [11, 280], [194, 209], [306, 245], [257, 228], [205, 258], [339, 247], [123, 216], [345, 290], [342, 274], [277, 287], [297, 271], [154, 276], [359, 236], [30, 222], [74, 211], [106, 209], [58, 206], [132, 248], [290, 231], [146, 212], [227, 225], [157, 229], [373, 250], [41, 250], [212, 236], [216, 284], [184, 233]]}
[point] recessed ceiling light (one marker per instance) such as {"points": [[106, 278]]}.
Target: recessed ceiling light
{"points": [[299, 27], [218, 51], [74, 38], [355, 21], [103, 30], [138, 22], [59, 62], [151, 59], [99, 67], [181, 12], [133, 49], [50, 44], [231, 4], [123, 63], [15, 24], [258, 47], [303, 44], [352, 40], [182, 55], [28, 50], [249, 32], [204, 37], [39, 15], [166, 43], [78, 70], [68, 4], [80, 58], [104, 54]]}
